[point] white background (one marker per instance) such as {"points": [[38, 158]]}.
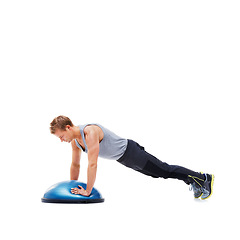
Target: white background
{"points": [[164, 73]]}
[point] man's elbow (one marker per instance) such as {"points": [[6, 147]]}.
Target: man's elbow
{"points": [[75, 165], [93, 165]]}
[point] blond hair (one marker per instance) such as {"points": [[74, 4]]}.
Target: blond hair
{"points": [[60, 122]]}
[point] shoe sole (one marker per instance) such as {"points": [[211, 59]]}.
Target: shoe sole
{"points": [[199, 196], [212, 181]]}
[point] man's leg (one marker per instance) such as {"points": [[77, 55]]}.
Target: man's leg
{"points": [[156, 168], [138, 159], [201, 184]]}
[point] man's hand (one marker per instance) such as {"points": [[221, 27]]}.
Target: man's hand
{"points": [[80, 191]]}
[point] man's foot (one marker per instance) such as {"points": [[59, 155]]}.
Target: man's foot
{"points": [[207, 186], [196, 185], [197, 190]]}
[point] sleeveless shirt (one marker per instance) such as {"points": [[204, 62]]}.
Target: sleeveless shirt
{"points": [[111, 147]]}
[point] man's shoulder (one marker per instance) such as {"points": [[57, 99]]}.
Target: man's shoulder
{"points": [[89, 129]]}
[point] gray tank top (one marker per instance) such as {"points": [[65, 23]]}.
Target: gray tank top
{"points": [[111, 147]]}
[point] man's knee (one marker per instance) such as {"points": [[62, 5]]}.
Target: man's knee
{"points": [[157, 171]]}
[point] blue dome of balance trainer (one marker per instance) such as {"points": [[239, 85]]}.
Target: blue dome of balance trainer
{"points": [[61, 193]]}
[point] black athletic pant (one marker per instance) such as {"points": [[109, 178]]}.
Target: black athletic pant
{"points": [[137, 158]]}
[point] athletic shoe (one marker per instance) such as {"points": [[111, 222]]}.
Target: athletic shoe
{"points": [[196, 185], [197, 190], [207, 186]]}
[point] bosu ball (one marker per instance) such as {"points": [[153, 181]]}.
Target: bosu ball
{"points": [[61, 193]]}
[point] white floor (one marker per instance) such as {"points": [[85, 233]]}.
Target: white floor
{"points": [[141, 208]]}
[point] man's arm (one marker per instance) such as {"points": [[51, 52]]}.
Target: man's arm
{"points": [[75, 166], [92, 141]]}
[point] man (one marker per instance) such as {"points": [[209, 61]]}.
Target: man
{"points": [[96, 140]]}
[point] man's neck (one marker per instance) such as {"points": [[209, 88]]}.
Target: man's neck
{"points": [[77, 134]]}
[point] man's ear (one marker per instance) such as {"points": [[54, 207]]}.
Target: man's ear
{"points": [[68, 127]]}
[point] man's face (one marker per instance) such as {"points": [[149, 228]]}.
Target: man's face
{"points": [[65, 136]]}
